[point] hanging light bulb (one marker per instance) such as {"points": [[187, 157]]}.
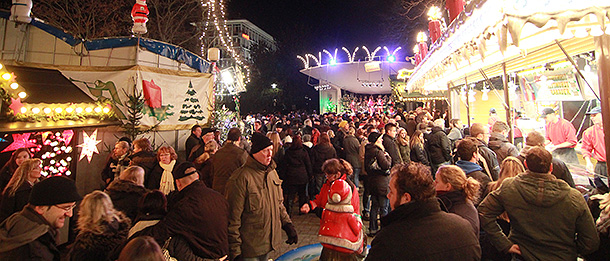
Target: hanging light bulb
{"points": [[6, 76], [581, 33], [596, 31], [22, 95], [14, 86]]}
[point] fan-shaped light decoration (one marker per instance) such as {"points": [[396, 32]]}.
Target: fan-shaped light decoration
{"points": [[89, 145]]}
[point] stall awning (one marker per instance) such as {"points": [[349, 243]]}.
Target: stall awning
{"points": [[521, 34]]}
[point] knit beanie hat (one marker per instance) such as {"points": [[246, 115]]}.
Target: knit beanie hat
{"points": [[259, 142], [374, 136], [53, 191]]}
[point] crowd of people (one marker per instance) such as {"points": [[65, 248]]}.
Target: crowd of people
{"points": [[429, 189]]}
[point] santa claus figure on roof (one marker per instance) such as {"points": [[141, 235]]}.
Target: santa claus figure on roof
{"points": [[139, 14]]}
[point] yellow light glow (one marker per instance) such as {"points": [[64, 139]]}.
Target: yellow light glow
{"points": [[79, 110], [88, 110], [22, 95], [35, 110], [6, 76], [106, 110], [47, 110], [1, 66], [69, 110], [434, 13], [416, 49], [421, 37], [98, 109], [596, 31], [14, 86], [581, 33], [58, 110], [24, 109]]}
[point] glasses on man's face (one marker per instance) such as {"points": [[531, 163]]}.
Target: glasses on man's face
{"points": [[66, 209]]}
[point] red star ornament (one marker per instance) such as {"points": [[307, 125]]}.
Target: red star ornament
{"points": [[16, 105], [20, 141]]}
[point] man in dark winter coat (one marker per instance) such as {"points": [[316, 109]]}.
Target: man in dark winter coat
{"points": [[227, 159], [194, 140], [560, 170], [389, 143], [127, 190], [549, 220], [32, 233], [197, 214], [417, 229], [438, 146], [351, 145], [488, 159], [468, 153], [499, 143]]}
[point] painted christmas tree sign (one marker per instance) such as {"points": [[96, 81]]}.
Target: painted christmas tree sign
{"points": [[191, 108]]}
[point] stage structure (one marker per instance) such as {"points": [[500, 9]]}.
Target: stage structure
{"points": [[369, 75]]}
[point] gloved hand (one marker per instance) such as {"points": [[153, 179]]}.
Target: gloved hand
{"points": [[293, 238]]}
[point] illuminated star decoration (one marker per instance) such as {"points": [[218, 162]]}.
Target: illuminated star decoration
{"points": [[20, 141], [67, 134], [16, 105], [89, 145]]}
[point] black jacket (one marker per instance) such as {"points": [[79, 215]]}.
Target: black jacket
{"points": [[192, 142], [560, 170], [500, 145], [391, 148], [295, 167], [438, 146], [125, 196], [419, 230], [90, 246], [14, 204], [378, 179], [200, 216], [351, 146], [490, 159], [319, 154], [419, 154], [455, 202]]}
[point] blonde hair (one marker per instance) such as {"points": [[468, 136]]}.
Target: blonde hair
{"points": [[455, 176], [210, 148], [403, 141], [95, 209], [20, 176], [510, 167], [134, 174], [277, 142]]}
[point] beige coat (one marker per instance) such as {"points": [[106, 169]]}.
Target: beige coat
{"points": [[257, 212]]}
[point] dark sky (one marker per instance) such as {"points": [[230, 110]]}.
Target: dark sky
{"points": [[325, 24]]}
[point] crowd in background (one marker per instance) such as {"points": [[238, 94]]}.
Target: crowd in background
{"points": [[229, 199]]}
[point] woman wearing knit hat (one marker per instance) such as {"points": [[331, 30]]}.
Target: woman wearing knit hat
{"points": [[377, 164]]}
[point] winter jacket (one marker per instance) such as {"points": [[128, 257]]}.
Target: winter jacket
{"points": [[419, 230], [226, 160], [476, 172], [322, 198], [438, 146], [500, 145], [490, 158], [191, 142], [560, 170], [28, 236], [391, 148], [455, 202], [419, 154], [11, 205], [257, 212], [6, 173], [91, 246], [125, 196], [405, 152], [145, 159], [153, 180], [378, 178], [296, 166], [351, 147], [197, 214], [319, 154], [549, 220]]}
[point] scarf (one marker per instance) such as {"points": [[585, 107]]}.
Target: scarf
{"points": [[167, 179]]}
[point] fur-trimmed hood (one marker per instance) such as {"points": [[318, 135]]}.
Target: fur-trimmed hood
{"points": [[97, 246], [125, 186]]}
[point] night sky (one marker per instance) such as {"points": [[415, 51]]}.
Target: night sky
{"points": [[327, 24]]}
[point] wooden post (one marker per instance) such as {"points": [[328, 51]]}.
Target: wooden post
{"points": [[602, 53], [509, 118], [467, 100]]}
